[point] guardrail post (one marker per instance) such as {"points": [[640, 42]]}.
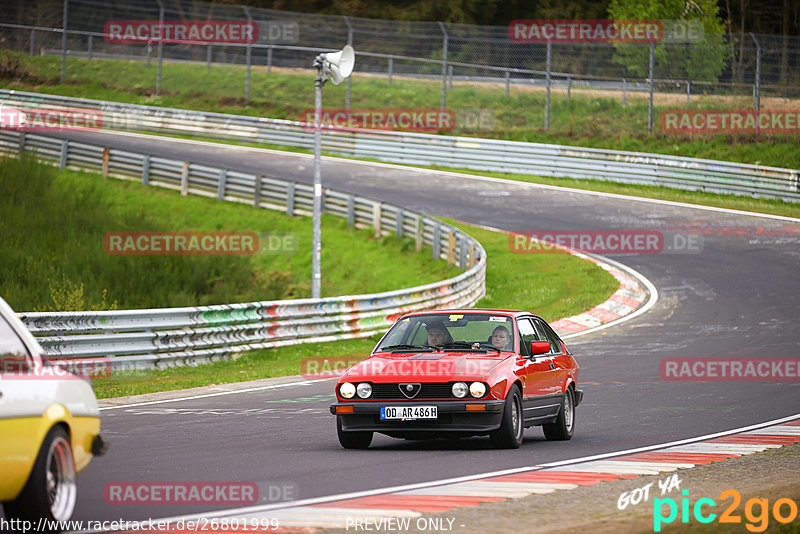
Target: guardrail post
{"points": [[257, 192], [398, 222], [569, 87], [449, 77], [688, 91], [376, 219], [462, 253], [62, 162], [185, 179], [437, 237], [33, 39], [222, 183], [269, 60], [106, 158], [146, 170], [90, 47], [351, 211], [420, 233], [508, 81], [21, 143], [208, 57], [451, 248], [389, 72], [290, 199]]}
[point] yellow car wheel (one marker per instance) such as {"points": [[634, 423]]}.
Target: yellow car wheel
{"points": [[51, 491]]}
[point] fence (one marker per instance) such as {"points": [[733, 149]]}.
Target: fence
{"points": [[160, 338], [448, 151], [739, 65]]}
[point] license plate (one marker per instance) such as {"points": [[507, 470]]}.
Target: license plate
{"points": [[408, 412]]}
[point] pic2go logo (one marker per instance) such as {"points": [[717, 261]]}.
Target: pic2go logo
{"points": [[756, 511]]}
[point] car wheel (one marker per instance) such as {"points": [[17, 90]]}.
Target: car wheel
{"points": [[564, 426], [353, 440], [51, 491], [509, 435]]}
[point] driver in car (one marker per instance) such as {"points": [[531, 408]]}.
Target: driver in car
{"points": [[438, 335]]}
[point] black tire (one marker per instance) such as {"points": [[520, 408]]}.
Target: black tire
{"points": [[353, 440], [564, 426], [51, 491], [509, 435]]}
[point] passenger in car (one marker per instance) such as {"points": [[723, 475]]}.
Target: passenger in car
{"points": [[500, 338]]}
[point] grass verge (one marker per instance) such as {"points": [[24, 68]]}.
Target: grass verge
{"points": [[52, 244]]}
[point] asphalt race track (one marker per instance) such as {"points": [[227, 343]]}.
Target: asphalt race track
{"points": [[737, 297]]}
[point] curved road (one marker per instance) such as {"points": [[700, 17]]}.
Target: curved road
{"points": [[738, 297]]}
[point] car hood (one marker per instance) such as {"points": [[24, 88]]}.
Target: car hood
{"points": [[424, 367]]}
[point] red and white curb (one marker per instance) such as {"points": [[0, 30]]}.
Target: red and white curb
{"points": [[629, 297], [414, 501], [635, 295], [439, 499]]}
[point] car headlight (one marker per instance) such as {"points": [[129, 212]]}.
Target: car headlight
{"points": [[364, 390], [460, 390], [347, 390], [477, 389]]}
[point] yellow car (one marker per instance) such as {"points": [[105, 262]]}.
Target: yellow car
{"points": [[49, 427]]}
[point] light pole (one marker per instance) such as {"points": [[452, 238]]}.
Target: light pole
{"points": [[337, 67]]}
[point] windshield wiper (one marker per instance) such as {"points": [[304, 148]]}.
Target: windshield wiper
{"points": [[408, 347]]}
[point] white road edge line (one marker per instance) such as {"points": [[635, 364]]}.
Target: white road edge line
{"points": [[215, 394], [421, 485]]}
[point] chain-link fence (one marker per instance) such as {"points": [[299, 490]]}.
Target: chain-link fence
{"points": [[740, 70]]}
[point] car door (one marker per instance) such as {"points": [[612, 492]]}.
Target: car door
{"points": [[537, 400], [556, 372]]}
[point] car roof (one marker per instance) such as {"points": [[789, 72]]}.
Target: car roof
{"points": [[514, 313]]}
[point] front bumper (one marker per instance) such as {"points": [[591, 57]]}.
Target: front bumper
{"points": [[452, 417]]}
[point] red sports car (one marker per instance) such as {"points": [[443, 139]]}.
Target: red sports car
{"points": [[455, 373]]}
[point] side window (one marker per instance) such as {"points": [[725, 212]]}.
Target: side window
{"points": [[547, 334], [527, 335], [14, 356]]}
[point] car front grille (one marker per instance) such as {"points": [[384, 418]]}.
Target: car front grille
{"points": [[392, 391]]}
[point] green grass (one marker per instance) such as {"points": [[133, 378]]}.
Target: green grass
{"points": [[589, 118], [552, 285], [51, 242]]}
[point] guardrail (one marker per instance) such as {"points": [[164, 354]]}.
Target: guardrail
{"points": [[158, 338], [447, 151]]}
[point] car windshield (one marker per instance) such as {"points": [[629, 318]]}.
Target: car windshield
{"points": [[462, 332]]}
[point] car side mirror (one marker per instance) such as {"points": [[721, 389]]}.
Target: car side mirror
{"points": [[540, 347]]}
